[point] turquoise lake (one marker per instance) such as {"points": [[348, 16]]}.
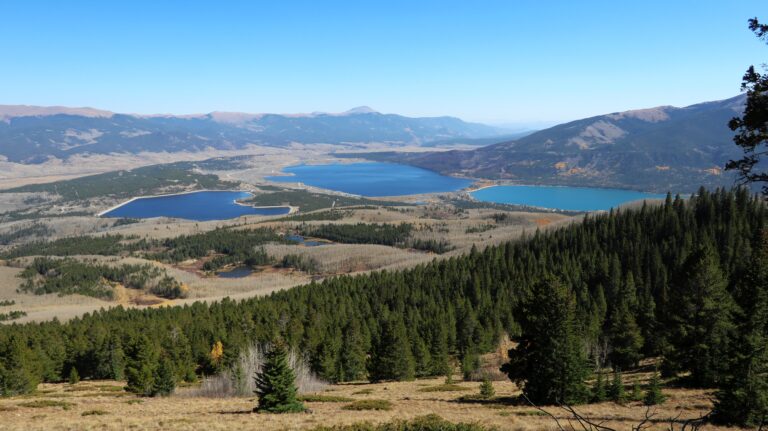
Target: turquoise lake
{"points": [[197, 206], [562, 198], [372, 179]]}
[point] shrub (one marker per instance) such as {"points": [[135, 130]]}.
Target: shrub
{"points": [[93, 413], [369, 405], [617, 394], [40, 404], [424, 423], [653, 395], [317, 398], [599, 392], [74, 376], [444, 388], [486, 388]]}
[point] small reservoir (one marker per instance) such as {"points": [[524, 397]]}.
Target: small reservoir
{"points": [[197, 206]]}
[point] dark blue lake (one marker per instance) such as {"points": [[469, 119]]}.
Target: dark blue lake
{"points": [[562, 198], [303, 241], [372, 179], [198, 206], [239, 272]]}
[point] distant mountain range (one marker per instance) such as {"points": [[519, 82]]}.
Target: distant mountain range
{"points": [[33, 134], [657, 149]]}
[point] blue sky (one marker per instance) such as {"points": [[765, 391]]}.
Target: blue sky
{"points": [[520, 62]]}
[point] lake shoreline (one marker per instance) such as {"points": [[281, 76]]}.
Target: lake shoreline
{"points": [[562, 198], [291, 209]]}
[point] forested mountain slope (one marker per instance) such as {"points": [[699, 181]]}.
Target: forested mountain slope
{"points": [[630, 272], [35, 134], [657, 149]]}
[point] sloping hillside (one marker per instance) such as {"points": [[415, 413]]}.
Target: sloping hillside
{"points": [[30, 134], [657, 149]]}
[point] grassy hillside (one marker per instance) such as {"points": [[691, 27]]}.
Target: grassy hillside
{"points": [[660, 149]]}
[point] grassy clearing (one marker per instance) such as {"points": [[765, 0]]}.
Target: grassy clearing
{"points": [[448, 387], [369, 405], [405, 401], [40, 404]]}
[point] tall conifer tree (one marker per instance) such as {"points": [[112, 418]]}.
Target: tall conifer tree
{"points": [[275, 383], [549, 361]]}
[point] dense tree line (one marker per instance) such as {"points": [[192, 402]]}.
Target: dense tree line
{"points": [[394, 235], [12, 315], [21, 232], [231, 246], [69, 276], [677, 280], [123, 184], [230, 242], [105, 245]]}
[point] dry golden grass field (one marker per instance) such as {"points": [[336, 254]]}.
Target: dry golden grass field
{"points": [[103, 405]]}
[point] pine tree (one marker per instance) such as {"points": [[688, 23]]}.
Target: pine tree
{"points": [[17, 375], [624, 338], [637, 392], [469, 364], [275, 383], [74, 376], [654, 396], [438, 350], [743, 397], [115, 360], [549, 361], [352, 355], [142, 363], [164, 379], [750, 127], [486, 388], [599, 392], [391, 358], [616, 391], [703, 320]]}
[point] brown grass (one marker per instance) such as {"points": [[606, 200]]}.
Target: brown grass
{"points": [[407, 402], [447, 387], [369, 405]]}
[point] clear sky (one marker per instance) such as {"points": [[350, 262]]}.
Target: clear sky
{"points": [[493, 61]]}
